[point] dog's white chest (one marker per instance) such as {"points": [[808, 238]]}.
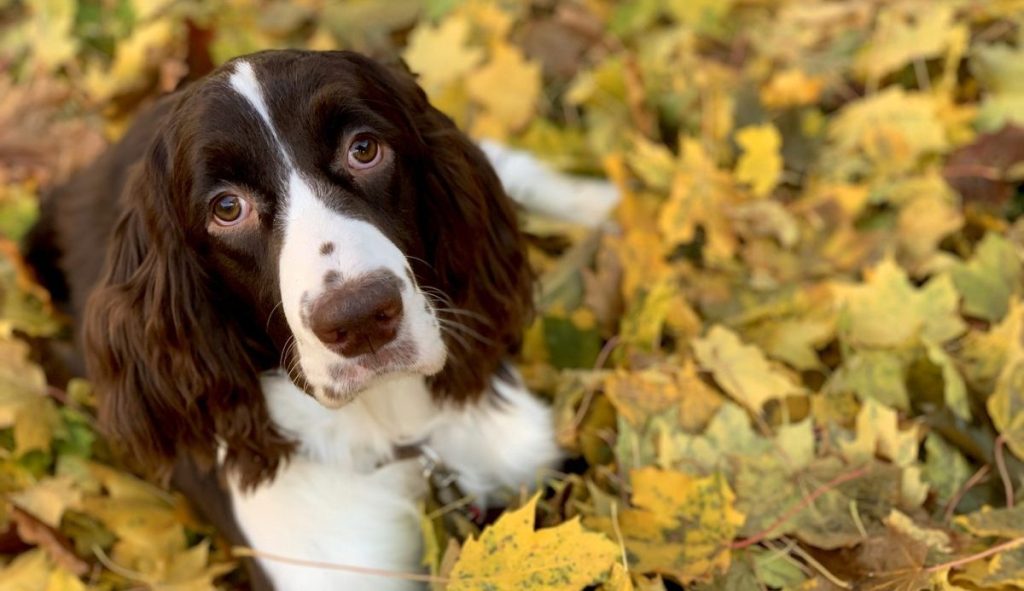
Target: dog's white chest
{"points": [[343, 500]]}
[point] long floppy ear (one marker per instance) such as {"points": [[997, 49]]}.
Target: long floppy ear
{"points": [[476, 252], [171, 375]]}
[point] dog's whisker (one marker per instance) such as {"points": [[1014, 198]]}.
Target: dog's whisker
{"points": [[467, 313], [271, 315], [467, 331], [461, 340]]}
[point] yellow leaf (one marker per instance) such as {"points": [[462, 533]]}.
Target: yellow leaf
{"points": [[49, 498], [510, 555], [134, 59], [682, 525], [699, 198], [62, 580], [619, 580], [935, 539], [761, 163], [890, 130], [35, 424], [639, 395], [441, 54], [29, 571], [191, 571], [791, 88], [507, 87], [742, 370], [887, 311], [878, 432], [923, 223], [904, 33]]}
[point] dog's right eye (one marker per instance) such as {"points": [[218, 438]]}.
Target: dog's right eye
{"points": [[230, 209]]}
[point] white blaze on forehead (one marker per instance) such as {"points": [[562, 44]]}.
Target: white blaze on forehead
{"points": [[245, 83]]}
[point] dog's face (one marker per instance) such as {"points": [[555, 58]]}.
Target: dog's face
{"points": [[308, 193], [309, 211]]}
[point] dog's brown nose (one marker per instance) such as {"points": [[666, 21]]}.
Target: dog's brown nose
{"points": [[358, 316]]}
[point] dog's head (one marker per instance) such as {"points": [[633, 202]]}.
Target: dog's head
{"points": [[302, 210]]}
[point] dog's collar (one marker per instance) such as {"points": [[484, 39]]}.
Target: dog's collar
{"points": [[443, 480]]}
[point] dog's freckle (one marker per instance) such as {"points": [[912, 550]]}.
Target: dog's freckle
{"points": [[332, 277], [326, 248]]}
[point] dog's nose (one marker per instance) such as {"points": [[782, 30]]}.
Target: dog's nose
{"points": [[358, 316]]}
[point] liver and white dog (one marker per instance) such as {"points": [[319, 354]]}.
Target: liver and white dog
{"points": [[291, 270]]}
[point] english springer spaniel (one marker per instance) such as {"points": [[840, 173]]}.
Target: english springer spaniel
{"points": [[307, 269]]}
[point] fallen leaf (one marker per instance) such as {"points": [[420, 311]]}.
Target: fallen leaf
{"points": [[507, 86], [742, 370], [681, 525], [761, 163], [441, 54], [512, 555], [989, 279]]}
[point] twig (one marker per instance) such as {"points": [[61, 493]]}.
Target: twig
{"points": [[618, 535], [116, 568], [968, 485], [819, 567], [243, 551], [1004, 474], [797, 508], [606, 352], [985, 554]]}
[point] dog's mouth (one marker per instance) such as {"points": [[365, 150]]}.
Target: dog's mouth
{"points": [[346, 378]]}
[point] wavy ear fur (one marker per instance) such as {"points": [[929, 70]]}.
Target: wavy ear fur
{"points": [[476, 252], [171, 374]]}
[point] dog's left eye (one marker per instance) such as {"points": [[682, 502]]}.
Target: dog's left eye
{"points": [[364, 152], [230, 209]]}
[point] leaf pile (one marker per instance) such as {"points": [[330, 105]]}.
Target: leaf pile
{"points": [[793, 360]]}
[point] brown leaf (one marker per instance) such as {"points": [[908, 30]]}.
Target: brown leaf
{"points": [[979, 171]]}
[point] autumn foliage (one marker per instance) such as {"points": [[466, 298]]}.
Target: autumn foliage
{"points": [[794, 358]]}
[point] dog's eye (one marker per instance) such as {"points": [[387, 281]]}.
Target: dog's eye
{"points": [[230, 209], [364, 152]]}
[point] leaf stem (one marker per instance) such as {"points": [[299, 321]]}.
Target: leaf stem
{"points": [[421, 578], [797, 508], [1004, 474], [968, 559]]}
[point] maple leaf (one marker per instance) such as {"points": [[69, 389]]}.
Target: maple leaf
{"points": [[998, 67], [441, 54], [905, 33], [698, 198], [888, 312], [508, 87], [511, 555], [742, 370], [681, 526], [989, 279]]}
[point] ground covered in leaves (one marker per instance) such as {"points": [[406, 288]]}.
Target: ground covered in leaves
{"points": [[793, 360]]}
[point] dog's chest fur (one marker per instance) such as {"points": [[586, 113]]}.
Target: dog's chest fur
{"points": [[345, 500]]}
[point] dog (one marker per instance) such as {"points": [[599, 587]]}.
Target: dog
{"points": [[294, 271]]}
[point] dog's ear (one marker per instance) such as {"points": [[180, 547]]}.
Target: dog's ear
{"points": [[171, 374], [476, 253]]}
